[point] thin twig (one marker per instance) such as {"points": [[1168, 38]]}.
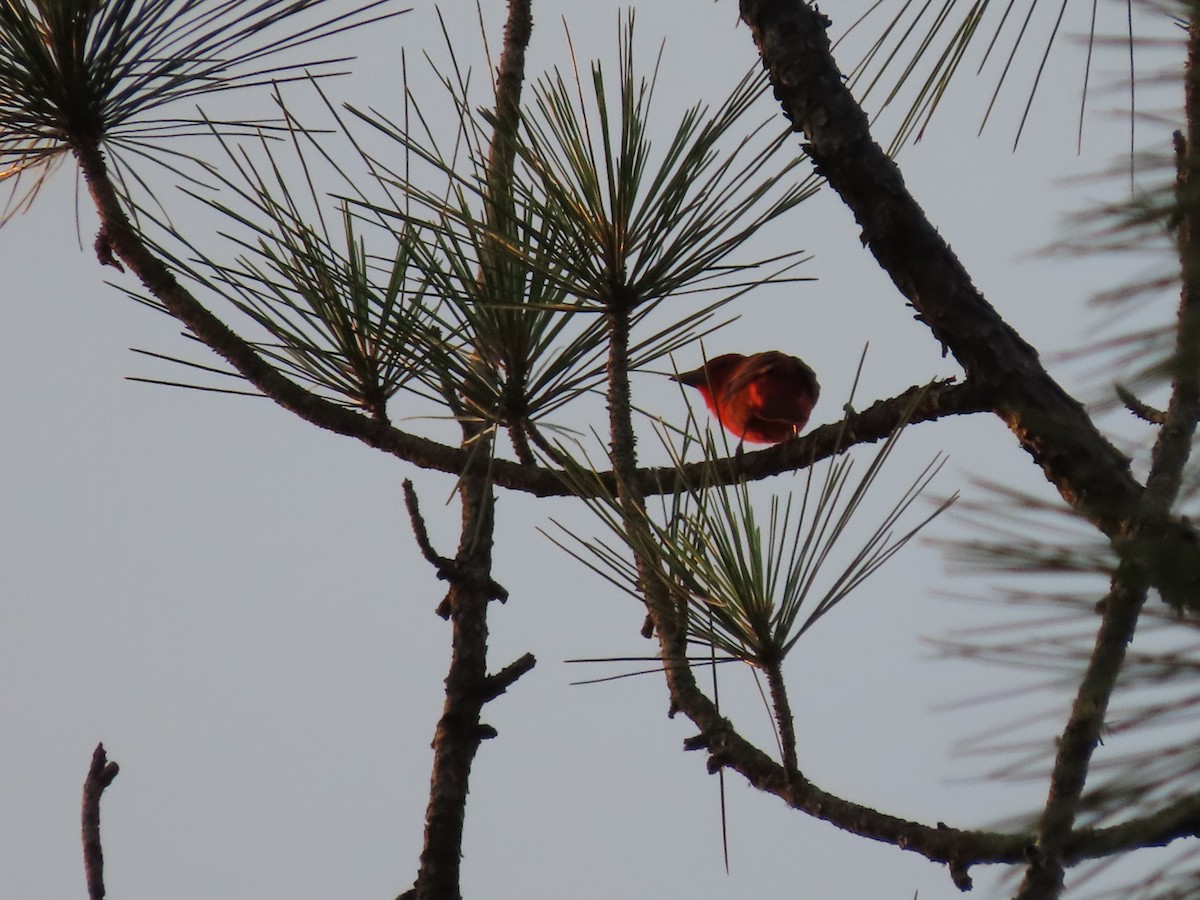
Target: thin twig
{"points": [[501, 681], [1081, 735], [100, 775], [447, 569], [421, 533], [1139, 408]]}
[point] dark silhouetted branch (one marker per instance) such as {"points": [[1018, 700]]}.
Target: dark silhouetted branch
{"points": [[460, 730], [1091, 474], [783, 719], [501, 681], [1138, 407], [122, 241], [1144, 559], [447, 569], [1044, 874], [100, 775]]}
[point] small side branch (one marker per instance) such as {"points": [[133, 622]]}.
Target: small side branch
{"points": [[1140, 408], [1044, 875], [447, 569], [100, 775], [501, 681], [421, 533]]}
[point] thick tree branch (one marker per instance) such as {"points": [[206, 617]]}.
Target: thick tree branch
{"points": [[1053, 427], [460, 730], [100, 775]]}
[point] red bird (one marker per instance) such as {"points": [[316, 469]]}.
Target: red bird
{"points": [[764, 398]]}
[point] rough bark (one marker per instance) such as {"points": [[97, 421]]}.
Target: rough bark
{"points": [[1052, 426]]}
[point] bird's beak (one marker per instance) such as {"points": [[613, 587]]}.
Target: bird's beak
{"points": [[692, 379]]}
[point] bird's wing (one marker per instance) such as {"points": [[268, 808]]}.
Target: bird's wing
{"points": [[753, 368], [778, 387]]}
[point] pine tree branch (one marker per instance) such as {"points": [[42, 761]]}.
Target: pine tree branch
{"points": [[501, 681], [100, 775], [1051, 425], [920, 403], [447, 569], [783, 718], [118, 240], [460, 730], [1142, 410], [1179, 819], [726, 747], [1044, 877], [957, 848]]}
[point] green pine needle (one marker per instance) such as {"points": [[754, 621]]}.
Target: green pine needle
{"points": [[597, 211], [78, 72], [755, 579]]}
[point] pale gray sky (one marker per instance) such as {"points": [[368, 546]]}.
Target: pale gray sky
{"points": [[232, 601]]}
